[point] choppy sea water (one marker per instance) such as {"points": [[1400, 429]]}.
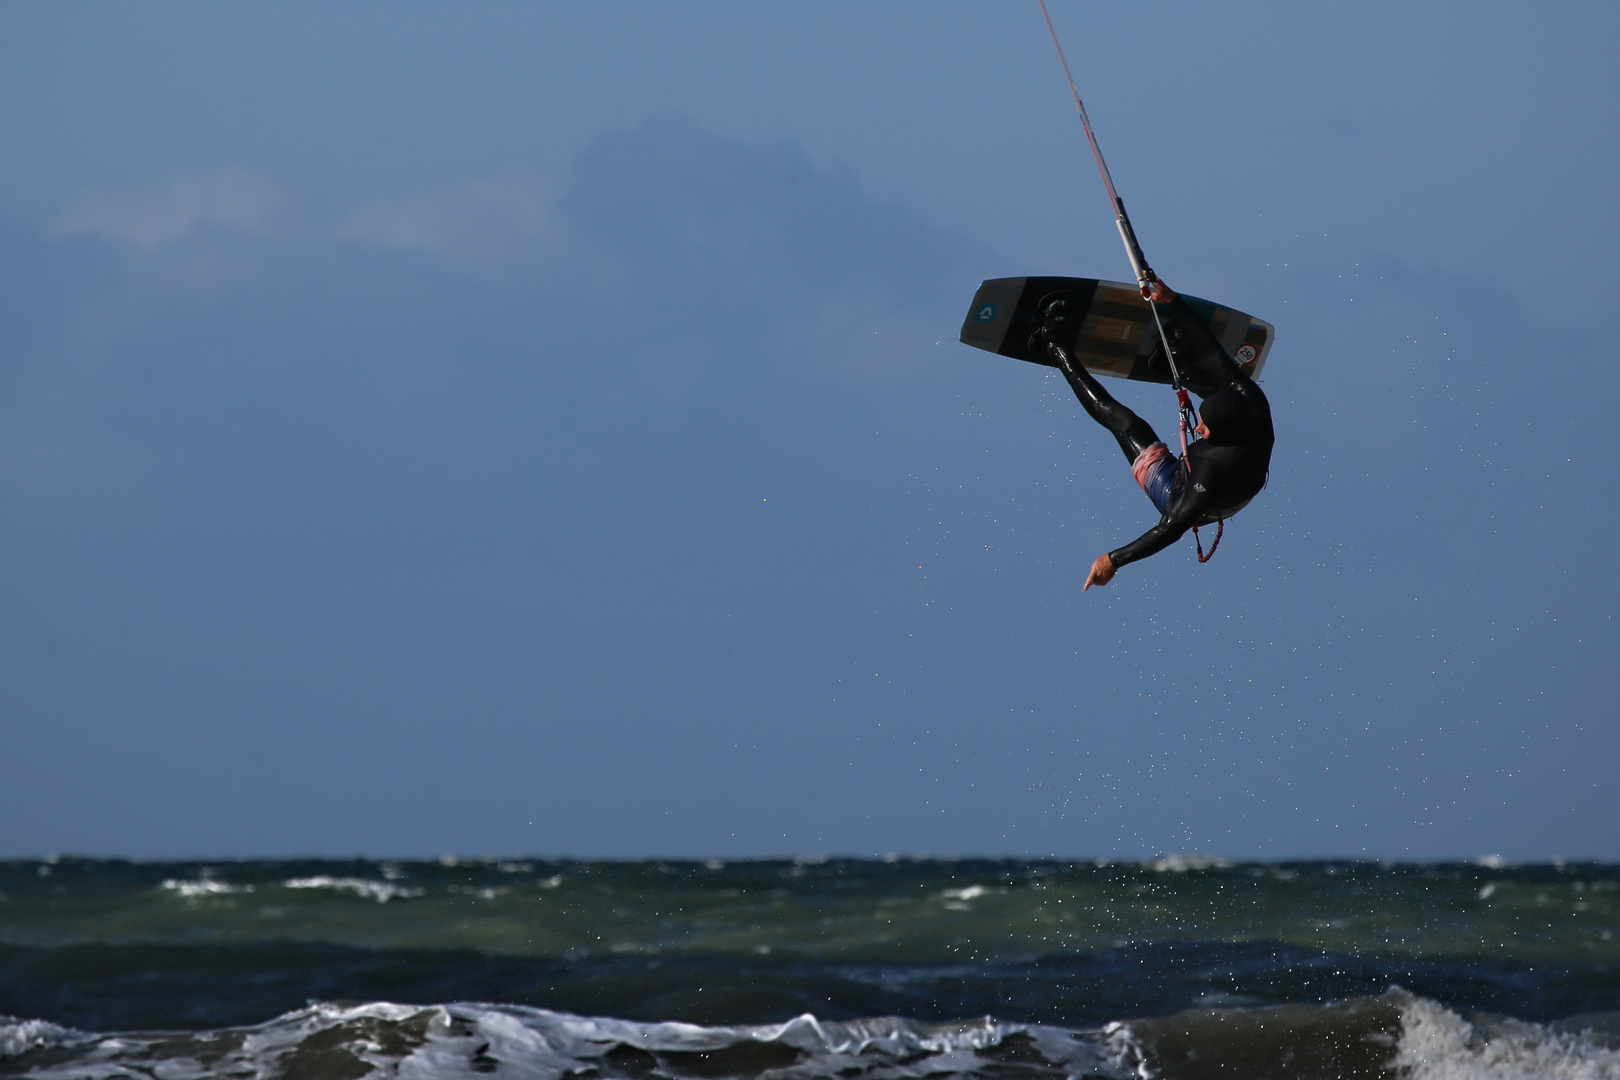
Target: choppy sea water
{"points": [[808, 970]]}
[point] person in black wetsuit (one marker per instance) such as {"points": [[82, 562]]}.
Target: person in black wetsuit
{"points": [[1232, 456]]}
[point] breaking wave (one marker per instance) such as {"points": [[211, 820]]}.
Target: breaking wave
{"points": [[1396, 1035]]}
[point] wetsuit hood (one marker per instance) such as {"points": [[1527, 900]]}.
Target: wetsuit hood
{"points": [[1226, 414]]}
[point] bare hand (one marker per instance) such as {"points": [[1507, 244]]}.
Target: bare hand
{"points": [[1102, 572], [1161, 292]]}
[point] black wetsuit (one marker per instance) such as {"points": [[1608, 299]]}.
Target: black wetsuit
{"points": [[1228, 469]]}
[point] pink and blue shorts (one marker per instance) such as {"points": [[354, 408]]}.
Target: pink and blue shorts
{"points": [[1155, 472]]}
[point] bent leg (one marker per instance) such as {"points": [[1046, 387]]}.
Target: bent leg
{"points": [[1132, 432], [1205, 366]]}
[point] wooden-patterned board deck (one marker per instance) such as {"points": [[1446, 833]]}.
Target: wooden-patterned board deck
{"points": [[1116, 335]]}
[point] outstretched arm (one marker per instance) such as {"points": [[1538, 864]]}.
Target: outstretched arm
{"points": [[1182, 515], [1172, 527]]}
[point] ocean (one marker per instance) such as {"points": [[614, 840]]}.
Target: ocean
{"points": [[808, 969]]}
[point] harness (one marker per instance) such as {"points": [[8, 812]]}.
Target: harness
{"points": [[1146, 279]]}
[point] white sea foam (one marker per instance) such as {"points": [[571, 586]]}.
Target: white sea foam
{"points": [[961, 899], [19, 1036], [380, 891], [1180, 864], [464, 1042], [1438, 1044], [467, 1041], [971, 892], [203, 887]]}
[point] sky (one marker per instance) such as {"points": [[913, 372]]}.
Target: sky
{"points": [[541, 429]]}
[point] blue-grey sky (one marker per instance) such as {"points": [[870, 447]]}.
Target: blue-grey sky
{"points": [[540, 428]]}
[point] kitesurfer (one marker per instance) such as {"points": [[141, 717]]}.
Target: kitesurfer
{"points": [[1222, 470]]}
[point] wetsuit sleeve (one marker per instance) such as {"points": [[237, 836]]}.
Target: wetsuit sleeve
{"points": [[1187, 510]]}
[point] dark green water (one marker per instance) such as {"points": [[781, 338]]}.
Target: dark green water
{"points": [[110, 946], [899, 912]]}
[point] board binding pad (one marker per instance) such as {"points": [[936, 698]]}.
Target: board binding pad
{"points": [[1116, 333]]}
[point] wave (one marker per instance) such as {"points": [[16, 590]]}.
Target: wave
{"points": [[480, 1040], [1395, 1035], [1438, 1044], [380, 891]]}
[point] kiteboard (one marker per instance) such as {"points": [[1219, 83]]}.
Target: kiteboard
{"points": [[1117, 336]]}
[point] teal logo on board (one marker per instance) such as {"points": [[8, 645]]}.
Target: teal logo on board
{"points": [[987, 313]]}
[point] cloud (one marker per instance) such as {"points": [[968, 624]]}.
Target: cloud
{"points": [[750, 251], [469, 220], [232, 197], [759, 215]]}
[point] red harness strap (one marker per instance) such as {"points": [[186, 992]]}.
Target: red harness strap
{"points": [[1220, 527]]}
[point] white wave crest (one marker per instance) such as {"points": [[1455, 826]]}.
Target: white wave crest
{"points": [[962, 899], [20, 1036], [1438, 1044], [467, 1041], [380, 891], [202, 887], [1181, 864]]}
